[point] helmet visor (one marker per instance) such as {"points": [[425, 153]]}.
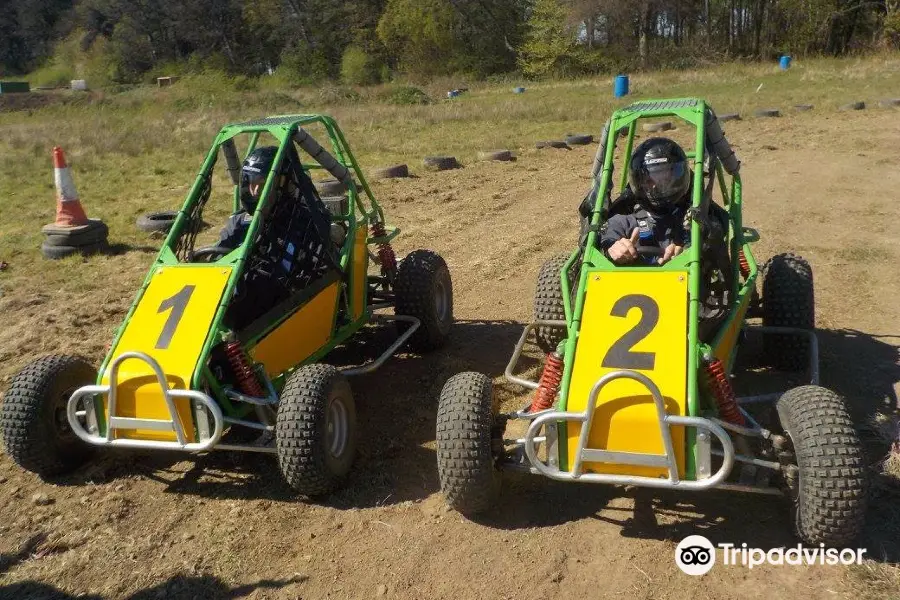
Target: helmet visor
{"points": [[662, 182]]}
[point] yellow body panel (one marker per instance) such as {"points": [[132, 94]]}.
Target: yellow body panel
{"points": [[299, 335], [170, 324], [360, 266], [635, 339]]}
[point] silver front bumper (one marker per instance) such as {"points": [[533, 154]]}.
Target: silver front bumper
{"points": [[209, 430], [667, 460]]}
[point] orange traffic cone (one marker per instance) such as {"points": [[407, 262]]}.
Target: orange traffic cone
{"points": [[69, 212]]}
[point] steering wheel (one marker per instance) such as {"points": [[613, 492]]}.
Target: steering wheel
{"points": [[209, 254], [649, 250]]}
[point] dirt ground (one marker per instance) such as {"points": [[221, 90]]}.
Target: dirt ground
{"points": [[145, 526]]}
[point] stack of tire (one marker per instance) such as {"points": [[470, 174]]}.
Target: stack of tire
{"points": [[60, 241]]}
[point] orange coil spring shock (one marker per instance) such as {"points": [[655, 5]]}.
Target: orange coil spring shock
{"points": [[721, 388], [240, 363], [549, 383], [743, 264], [385, 251]]}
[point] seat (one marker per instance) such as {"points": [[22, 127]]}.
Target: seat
{"points": [[291, 253]]}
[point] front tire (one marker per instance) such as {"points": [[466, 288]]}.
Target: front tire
{"points": [[828, 482], [424, 290], [315, 430], [36, 431], [470, 479]]}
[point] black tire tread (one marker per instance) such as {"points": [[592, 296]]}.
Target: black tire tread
{"points": [[833, 484], [299, 429], [25, 437], [95, 232], [470, 481], [788, 300], [413, 289], [157, 221], [56, 252], [548, 302]]}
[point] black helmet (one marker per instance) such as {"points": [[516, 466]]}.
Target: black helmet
{"points": [[659, 174], [256, 166]]}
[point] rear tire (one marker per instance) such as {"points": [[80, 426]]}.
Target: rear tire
{"points": [[829, 492], [470, 479], [423, 289], [548, 302], [788, 301], [315, 430], [36, 432]]}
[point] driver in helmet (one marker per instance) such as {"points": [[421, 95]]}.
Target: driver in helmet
{"points": [[253, 177], [660, 189]]}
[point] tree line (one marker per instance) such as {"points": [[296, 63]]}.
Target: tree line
{"points": [[370, 41]]}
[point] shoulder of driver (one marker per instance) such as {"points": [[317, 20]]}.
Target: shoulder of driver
{"points": [[235, 228]]}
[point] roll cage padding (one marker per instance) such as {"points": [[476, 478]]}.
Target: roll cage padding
{"points": [[233, 163], [715, 138], [322, 156], [600, 157]]}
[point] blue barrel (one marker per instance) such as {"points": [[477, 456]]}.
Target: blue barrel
{"points": [[620, 87], [784, 62]]}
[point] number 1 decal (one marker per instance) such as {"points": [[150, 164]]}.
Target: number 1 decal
{"points": [[620, 355], [177, 304]]}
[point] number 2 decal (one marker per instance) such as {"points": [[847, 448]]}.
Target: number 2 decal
{"points": [[177, 304], [620, 355]]}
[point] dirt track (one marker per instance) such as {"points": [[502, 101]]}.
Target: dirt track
{"points": [[225, 526]]}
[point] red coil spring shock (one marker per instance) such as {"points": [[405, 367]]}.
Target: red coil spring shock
{"points": [[549, 383], [743, 264], [385, 252], [240, 363], [720, 386]]}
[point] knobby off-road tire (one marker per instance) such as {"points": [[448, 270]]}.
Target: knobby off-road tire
{"points": [[315, 430], [829, 500], [470, 479], [36, 432], [548, 302], [423, 289], [788, 301]]}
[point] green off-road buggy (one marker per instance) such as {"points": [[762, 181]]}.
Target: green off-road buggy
{"points": [[230, 342], [636, 387]]}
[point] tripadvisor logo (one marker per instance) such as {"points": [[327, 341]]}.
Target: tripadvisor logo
{"points": [[696, 555]]}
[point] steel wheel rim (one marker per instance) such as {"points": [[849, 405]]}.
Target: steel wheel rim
{"points": [[337, 428], [60, 418]]}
